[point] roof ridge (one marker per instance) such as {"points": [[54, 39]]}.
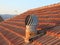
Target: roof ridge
{"points": [[47, 6]]}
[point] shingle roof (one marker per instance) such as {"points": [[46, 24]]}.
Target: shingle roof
{"points": [[14, 29]]}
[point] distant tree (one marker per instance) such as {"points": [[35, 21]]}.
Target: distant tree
{"points": [[1, 19]]}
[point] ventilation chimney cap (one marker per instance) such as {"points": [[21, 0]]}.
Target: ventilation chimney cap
{"points": [[31, 20]]}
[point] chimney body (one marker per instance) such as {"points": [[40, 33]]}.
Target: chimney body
{"points": [[31, 24]]}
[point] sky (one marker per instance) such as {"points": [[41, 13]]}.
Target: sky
{"points": [[20, 6]]}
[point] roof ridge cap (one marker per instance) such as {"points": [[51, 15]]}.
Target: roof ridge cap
{"points": [[47, 6]]}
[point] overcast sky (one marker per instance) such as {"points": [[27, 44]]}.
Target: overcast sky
{"points": [[19, 6]]}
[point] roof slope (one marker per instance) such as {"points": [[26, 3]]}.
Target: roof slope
{"points": [[14, 28], [52, 37]]}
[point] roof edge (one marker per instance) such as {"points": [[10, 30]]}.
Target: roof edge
{"points": [[48, 6]]}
